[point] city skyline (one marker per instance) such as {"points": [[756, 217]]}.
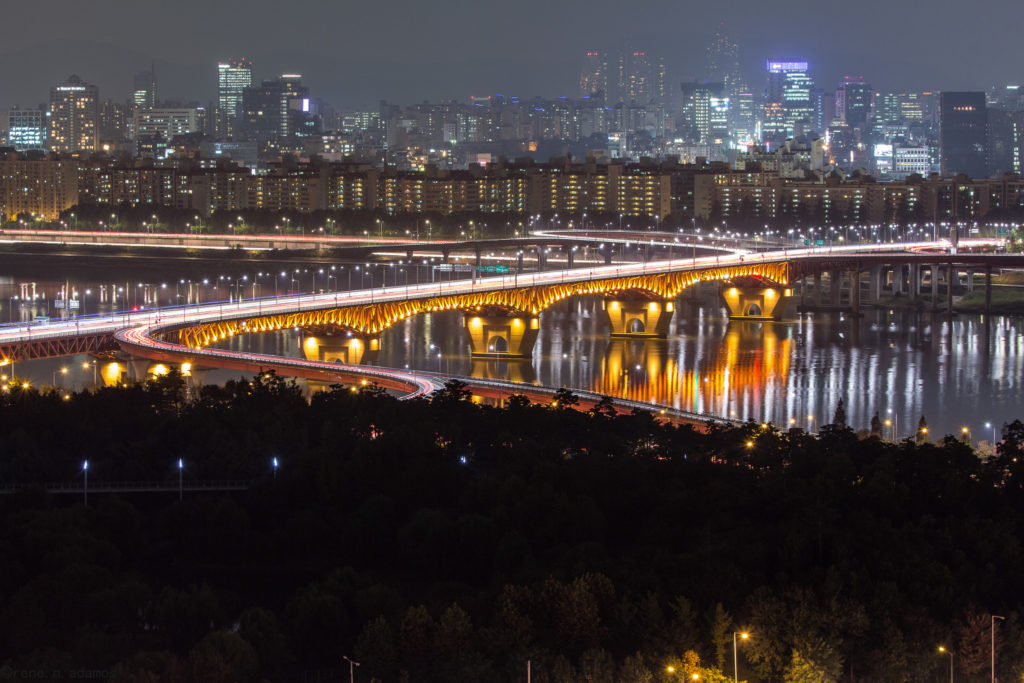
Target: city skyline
{"points": [[528, 57]]}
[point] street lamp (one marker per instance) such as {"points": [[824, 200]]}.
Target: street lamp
{"points": [[989, 425], [85, 490], [735, 659], [181, 467], [945, 651], [351, 669], [994, 617]]}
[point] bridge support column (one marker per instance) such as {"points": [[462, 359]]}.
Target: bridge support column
{"points": [[476, 253], [874, 283], [570, 253], [607, 254], [519, 260], [897, 280], [542, 258], [756, 302], [988, 288], [817, 289], [340, 348], [445, 254], [855, 292], [501, 336], [835, 288], [638, 317], [112, 373], [949, 288], [970, 281], [933, 275], [915, 279]]}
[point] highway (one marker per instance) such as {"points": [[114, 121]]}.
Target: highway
{"points": [[137, 331]]}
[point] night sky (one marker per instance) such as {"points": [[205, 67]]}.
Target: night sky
{"points": [[355, 53]]}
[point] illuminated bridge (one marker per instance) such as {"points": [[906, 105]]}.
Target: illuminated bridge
{"points": [[501, 313]]}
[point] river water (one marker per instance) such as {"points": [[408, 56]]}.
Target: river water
{"points": [[957, 372]]}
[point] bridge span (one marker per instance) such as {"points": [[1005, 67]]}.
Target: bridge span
{"points": [[505, 308]]}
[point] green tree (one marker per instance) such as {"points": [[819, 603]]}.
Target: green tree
{"points": [[721, 633]]}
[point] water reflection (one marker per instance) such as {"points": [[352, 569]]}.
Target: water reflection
{"points": [[960, 371]]}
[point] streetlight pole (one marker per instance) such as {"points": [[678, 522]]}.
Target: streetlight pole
{"points": [[85, 490], [181, 466], [735, 658], [994, 617], [945, 651], [351, 669]]}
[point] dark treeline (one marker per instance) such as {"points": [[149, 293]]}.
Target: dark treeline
{"points": [[443, 540]]}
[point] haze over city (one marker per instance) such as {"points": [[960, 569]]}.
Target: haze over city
{"points": [[354, 54]]}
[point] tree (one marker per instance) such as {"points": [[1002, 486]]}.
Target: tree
{"points": [[876, 425], [839, 419], [814, 662], [721, 633], [922, 430]]}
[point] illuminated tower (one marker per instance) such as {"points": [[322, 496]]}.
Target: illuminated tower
{"points": [[724, 62], [962, 123], [594, 75], [788, 99], [144, 90], [853, 101], [74, 116], [233, 77]]}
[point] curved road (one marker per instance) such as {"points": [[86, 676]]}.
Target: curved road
{"points": [[136, 331]]}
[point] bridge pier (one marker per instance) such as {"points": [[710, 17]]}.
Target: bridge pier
{"points": [[761, 301], [638, 317], [933, 276], [988, 288], [874, 283], [340, 348], [542, 258], [855, 292], [501, 336], [897, 280], [949, 289], [835, 288]]}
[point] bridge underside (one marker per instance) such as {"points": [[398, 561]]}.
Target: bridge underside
{"points": [[51, 348], [372, 319]]}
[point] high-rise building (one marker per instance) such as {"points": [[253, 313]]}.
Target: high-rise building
{"points": [[167, 122], [114, 124], [26, 129], [594, 75], [962, 133], [724, 62], [788, 99], [144, 90], [233, 77], [74, 116], [269, 112], [695, 112], [641, 77], [853, 101]]}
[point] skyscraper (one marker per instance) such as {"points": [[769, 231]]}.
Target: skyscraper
{"points": [[266, 113], [594, 75], [724, 62], [144, 90], [74, 116], [788, 99], [962, 123], [233, 77], [641, 77], [853, 101]]}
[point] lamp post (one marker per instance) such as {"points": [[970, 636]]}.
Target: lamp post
{"points": [[351, 669], [735, 658], [994, 617], [85, 490], [895, 422], [947, 652], [990, 425], [181, 467]]}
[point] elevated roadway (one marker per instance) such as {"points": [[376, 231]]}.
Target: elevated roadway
{"points": [[147, 333]]}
